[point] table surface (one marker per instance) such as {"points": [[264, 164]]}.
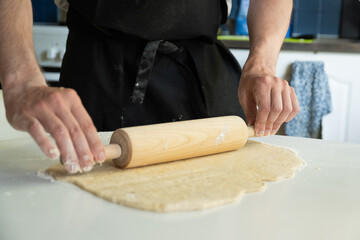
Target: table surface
{"points": [[321, 202]]}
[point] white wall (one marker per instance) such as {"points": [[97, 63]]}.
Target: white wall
{"points": [[343, 71]]}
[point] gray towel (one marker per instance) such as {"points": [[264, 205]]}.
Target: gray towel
{"points": [[312, 89]]}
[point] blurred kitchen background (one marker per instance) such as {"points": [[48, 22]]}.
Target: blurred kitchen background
{"points": [[310, 19], [320, 57]]}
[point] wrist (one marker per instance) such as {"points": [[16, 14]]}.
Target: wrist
{"points": [[259, 62], [15, 83], [19, 69]]}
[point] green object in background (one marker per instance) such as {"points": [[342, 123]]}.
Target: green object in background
{"points": [[246, 38]]}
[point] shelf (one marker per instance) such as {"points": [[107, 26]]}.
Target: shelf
{"points": [[312, 45]]}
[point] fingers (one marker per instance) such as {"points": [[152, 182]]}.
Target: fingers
{"points": [[275, 103], [263, 98], [276, 110], [295, 105], [78, 139], [52, 124], [81, 129], [38, 133], [249, 106], [285, 111], [90, 132], [42, 110], [284, 106]]}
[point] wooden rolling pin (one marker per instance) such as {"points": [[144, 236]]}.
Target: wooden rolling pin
{"points": [[166, 142]]}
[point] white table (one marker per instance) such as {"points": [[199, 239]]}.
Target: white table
{"points": [[321, 202]]}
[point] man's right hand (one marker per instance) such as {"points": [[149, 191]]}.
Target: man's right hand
{"points": [[39, 110], [32, 106]]}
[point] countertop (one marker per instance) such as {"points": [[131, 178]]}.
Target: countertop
{"points": [[317, 45], [321, 202]]}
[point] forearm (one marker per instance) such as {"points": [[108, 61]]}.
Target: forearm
{"points": [[267, 100], [18, 66], [33, 107], [268, 22]]}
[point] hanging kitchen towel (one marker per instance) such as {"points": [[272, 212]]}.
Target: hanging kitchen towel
{"points": [[312, 89]]}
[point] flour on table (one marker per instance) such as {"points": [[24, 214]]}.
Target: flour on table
{"points": [[40, 173], [187, 185]]}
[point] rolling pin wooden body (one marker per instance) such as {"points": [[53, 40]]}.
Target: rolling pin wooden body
{"points": [[151, 144]]}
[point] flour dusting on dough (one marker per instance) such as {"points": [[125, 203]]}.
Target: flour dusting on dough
{"points": [[188, 185], [295, 152], [40, 173]]}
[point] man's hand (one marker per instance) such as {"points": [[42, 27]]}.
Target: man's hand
{"points": [[268, 101], [32, 106], [58, 111]]}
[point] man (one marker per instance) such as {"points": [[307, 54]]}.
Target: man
{"points": [[141, 62]]}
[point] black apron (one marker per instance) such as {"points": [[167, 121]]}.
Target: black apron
{"points": [[145, 64]]}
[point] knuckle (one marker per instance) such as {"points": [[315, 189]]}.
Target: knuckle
{"points": [[277, 109], [287, 108], [278, 81], [74, 130], [265, 80], [88, 126], [36, 108], [42, 142], [285, 83], [71, 94], [265, 109], [58, 131], [32, 126], [260, 123], [269, 125], [56, 98]]}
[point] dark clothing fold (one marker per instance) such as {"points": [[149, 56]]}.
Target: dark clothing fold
{"points": [[125, 80]]}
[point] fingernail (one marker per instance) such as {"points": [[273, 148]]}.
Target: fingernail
{"points": [[249, 124], [72, 167], [88, 158], [88, 162], [87, 168], [54, 153], [273, 132], [260, 133], [101, 156], [267, 132]]}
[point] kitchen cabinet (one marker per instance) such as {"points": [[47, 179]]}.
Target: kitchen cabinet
{"points": [[343, 71]]}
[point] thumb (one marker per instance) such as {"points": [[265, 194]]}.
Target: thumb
{"points": [[250, 110], [250, 116]]}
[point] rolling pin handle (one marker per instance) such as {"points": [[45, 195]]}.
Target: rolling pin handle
{"points": [[251, 132], [112, 151]]}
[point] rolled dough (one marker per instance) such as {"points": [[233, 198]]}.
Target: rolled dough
{"points": [[186, 185]]}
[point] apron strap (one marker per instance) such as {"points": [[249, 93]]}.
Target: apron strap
{"points": [[146, 65]]}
